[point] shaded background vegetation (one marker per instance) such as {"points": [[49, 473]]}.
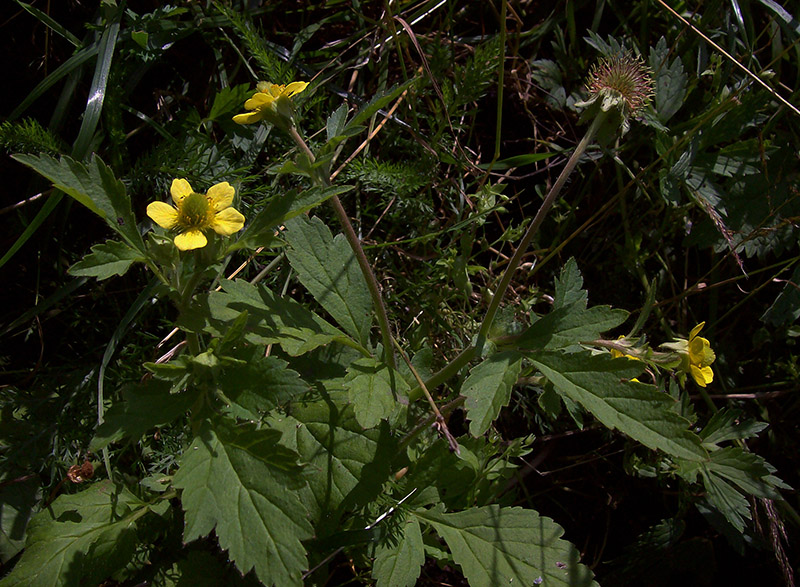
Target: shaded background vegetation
{"points": [[699, 201]]}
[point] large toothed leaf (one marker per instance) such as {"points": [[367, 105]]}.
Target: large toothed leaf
{"points": [[92, 184], [239, 482], [508, 546], [398, 564], [327, 267], [81, 539], [271, 318], [601, 385], [670, 81], [488, 389]]}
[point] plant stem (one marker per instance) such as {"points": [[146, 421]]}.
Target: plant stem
{"points": [[363, 262], [515, 261]]}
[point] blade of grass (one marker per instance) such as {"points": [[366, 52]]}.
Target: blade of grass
{"points": [[46, 20]]}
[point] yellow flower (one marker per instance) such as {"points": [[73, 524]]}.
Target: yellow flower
{"points": [[700, 356], [264, 102], [194, 213]]}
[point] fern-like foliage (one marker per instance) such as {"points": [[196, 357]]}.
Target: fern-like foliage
{"points": [[28, 136]]}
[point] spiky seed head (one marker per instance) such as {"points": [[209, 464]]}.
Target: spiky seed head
{"points": [[624, 77]]}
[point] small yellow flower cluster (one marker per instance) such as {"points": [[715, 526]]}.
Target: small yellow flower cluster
{"points": [[195, 213], [698, 358], [265, 101]]}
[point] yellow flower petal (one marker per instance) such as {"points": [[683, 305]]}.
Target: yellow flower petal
{"points": [[180, 189], [696, 330], [248, 118], [295, 88], [259, 100], [221, 196], [193, 239], [227, 222], [162, 214], [702, 376]]}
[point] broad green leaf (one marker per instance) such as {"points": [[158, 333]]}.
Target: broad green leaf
{"points": [[398, 563], [94, 186], [261, 229], [336, 122], [726, 499], [81, 539], [242, 484], [20, 499], [144, 406], [747, 471], [372, 388], [327, 267], [229, 100], [488, 389], [570, 325], [508, 546], [261, 383], [106, 260], [670, 81], [271, 318], [346, 465], [598, 383]]}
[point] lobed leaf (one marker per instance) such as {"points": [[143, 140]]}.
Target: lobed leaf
{"points": [[488, 389], [242, 484], [494, 545], [600, 384], [106, 260], [372, 389]]}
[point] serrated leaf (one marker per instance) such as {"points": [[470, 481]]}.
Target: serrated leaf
{"points": [[94, 186], [598, 383], [144, 406], [726, 500], [569, 287], [261, 383], [398, 564], [242, 484], [508, 546], [488, 389], [336, 122], [730, 424], [568, 326], [80, 539], [346, 465], [260, 230], [106, 260], [372, 389], [271, 318], [327, 267], [747, 471], [670, 82]]}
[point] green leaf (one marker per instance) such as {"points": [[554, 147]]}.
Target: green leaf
{"points": [[271, 318], [262, 383], [597, 382], [242, 484], [508, 546], [144, 406], [106, 260], [516, 161], [786, 307], [488, 389], [94, 186], [80, 539], [730, 424], [229, 100], [347, 465], [670, 81], [570, 322], [261, 229], [372, 389], [747, 471], [327, 267], [20, 496], [398, 564], [336, 122]]}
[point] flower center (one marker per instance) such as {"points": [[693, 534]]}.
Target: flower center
{"points": [[194, 213]]}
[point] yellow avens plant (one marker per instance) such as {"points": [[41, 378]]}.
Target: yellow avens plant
{"points": [[194, 213], [267, 100]]}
